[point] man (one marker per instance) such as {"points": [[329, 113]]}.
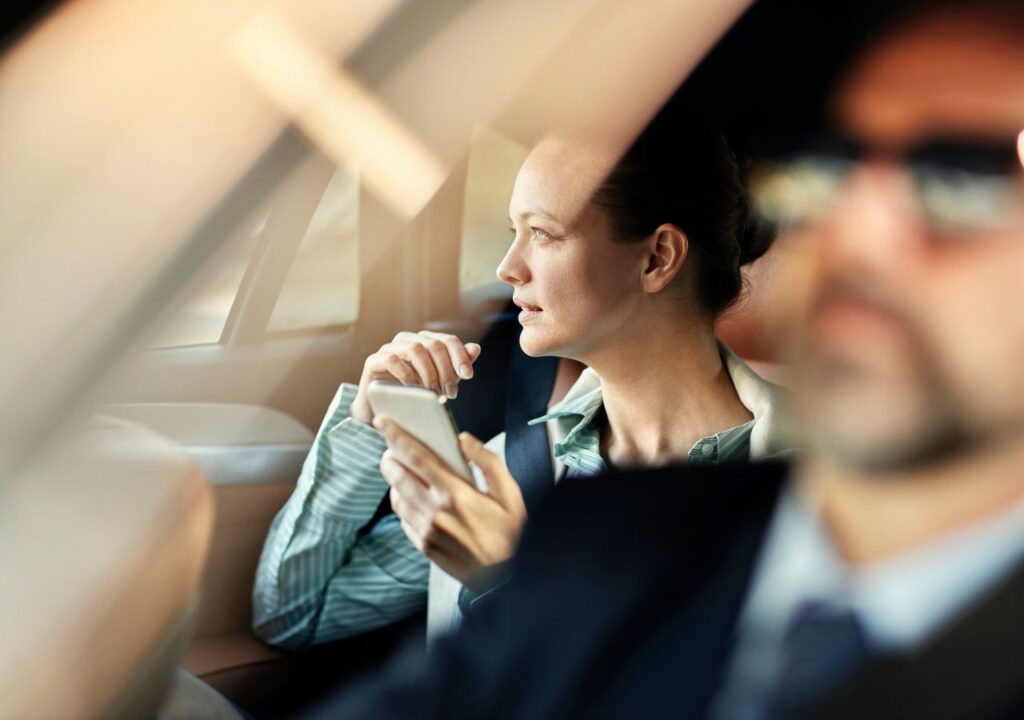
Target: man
{"points": [[881, 575]]}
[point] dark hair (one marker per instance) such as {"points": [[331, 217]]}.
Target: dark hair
{"points": [[681, 171], [1007, 14]]}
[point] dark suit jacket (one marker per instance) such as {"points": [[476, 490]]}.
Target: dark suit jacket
{"points": [[622, 603]]}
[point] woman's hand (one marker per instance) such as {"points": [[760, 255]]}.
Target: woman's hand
{"points": [[463, 530], [432, 360]]}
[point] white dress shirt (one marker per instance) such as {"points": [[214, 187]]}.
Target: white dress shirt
{"points": [[901, 601]]}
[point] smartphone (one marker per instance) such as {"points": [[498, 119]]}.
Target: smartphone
{"points": [[426, 416]]}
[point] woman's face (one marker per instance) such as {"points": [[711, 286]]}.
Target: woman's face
{"points": [[578, 290]]}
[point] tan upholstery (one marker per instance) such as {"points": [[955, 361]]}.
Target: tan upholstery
{"points": [[252, 457], [104, 541], [753, 328]]}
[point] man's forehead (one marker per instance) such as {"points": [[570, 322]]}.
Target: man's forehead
{"points": [[948, 74]]}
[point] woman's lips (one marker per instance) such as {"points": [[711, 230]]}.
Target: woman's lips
{"points": [[525, 315], [527, 311]]}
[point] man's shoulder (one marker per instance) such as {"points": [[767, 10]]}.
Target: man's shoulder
{"points": [[639, 574], [648, 504], [638, 528]]}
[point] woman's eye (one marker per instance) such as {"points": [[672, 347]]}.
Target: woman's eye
{"points": [[540, 234]]}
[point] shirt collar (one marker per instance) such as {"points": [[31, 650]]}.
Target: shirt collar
{"points": [[584, 401], [577, 443], [901, 601], [732, 445], [584, 407], [769, 435]]}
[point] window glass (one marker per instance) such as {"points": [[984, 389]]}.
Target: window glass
{"points": [[322, 286], [494, 160], [200, 320]]}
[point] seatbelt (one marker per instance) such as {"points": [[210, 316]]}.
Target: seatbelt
{"points": [[527, 451]]}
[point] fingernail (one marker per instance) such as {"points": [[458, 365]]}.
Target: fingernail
{"points": [[465, 371], [451, 390]]}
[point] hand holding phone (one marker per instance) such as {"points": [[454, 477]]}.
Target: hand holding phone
{"points": [[466, 532], [425, 415]]}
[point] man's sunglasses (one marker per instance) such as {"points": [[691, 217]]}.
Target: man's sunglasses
{"points": [[961, 185]]}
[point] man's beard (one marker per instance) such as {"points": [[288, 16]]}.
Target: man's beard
{"points": [[874, 421], [930, 426]]}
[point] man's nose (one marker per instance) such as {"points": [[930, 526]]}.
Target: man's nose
{"points": [[873, 224]]}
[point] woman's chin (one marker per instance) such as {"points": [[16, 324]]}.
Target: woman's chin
{"points": [[535, 345]]}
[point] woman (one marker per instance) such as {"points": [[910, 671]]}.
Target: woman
{"points": [[628, 281]]}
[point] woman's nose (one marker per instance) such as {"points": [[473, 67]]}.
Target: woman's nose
{"points": [[512, 269]]}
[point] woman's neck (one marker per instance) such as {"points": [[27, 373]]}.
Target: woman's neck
{"points": [[662, 393]]}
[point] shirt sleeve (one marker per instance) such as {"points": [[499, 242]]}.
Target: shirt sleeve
{"points": [[318, 578]]}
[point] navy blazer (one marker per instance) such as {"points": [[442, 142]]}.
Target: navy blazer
{"points": [[622, 603]]}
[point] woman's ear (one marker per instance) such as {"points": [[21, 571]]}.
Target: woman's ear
{"points": [[667, 248]]}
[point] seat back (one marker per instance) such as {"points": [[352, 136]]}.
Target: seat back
{"points": [[106, 537]]}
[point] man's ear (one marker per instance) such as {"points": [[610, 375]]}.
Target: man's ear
{"points": [[667, 249]]}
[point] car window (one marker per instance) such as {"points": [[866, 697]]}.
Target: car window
{"points": [[322, 286], [494, 160], [201, 318]]}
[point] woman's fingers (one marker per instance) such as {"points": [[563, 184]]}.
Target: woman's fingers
{"points": [[460, 355], [444, 517], [438, 361], [410, 504], [453, 360], [399, 369], [440, 353], [421, 359], [413, 454], [399, 475], [418, 508], [430, 469], [450, 358], [410, 532]]}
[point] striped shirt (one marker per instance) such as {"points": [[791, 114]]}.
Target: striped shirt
{"points": [[581, 422], [320, 579]]}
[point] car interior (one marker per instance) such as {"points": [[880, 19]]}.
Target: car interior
{"points": [[216, 212]]}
